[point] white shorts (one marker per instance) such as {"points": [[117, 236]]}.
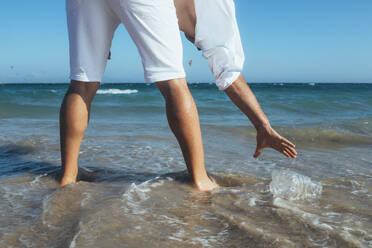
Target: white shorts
{"points": [[217, 35], [153, 26]]}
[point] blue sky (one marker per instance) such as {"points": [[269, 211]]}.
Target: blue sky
{"points": [[284, 41]]}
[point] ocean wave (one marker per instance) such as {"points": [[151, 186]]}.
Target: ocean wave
{"points": [[116, 92]]}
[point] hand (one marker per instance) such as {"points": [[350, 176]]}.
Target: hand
{"points": [[268, 137]]}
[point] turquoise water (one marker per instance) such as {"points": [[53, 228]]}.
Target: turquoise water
{"points": [[286, 104], [134, 190]]}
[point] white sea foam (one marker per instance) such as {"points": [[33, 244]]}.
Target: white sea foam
{"points": [[116, 92], [137, 194], [310, 218], [252, 202], [37, 179], [46, 203], [87, 197], [290, 185], [73, 242]]}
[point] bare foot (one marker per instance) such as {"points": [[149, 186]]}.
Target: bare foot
{"points": [[268, 137], [66, 181], [206, 185]]}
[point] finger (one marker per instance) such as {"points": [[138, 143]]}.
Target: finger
{"points": [[285, 149], [290, 148], [288, 142], [285, 145], [286, 153], [277, 147], [257, 152], [292, 153]]}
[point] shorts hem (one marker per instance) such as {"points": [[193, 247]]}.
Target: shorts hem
{"points": [[85, 78], [223, 84], [164, 77]]}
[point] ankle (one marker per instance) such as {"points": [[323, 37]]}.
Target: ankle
{"points": [[205, 185], [67, 180], [200, 177]]}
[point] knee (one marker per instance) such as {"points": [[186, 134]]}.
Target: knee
{"points": [[86, 90], [174, 90], [178, 99]]}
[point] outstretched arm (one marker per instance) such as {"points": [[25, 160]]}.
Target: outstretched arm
{"points": [[242, 96], [239, 92]]}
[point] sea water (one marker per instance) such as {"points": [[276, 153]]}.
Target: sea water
{"points": [[134, 190]]}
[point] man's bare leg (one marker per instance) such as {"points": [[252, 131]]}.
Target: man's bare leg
{"points": [[183, 120], [240, 93], [74, 117]]}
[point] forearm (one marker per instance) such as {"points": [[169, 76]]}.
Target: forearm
{"points": [[242, 96]]}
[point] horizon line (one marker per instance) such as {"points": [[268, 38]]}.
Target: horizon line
{"points": [[251, 82]]}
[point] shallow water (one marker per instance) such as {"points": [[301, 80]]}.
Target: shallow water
{"points": [[134, 191]]}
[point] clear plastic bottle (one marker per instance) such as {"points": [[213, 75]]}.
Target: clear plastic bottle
{"points": [[290, 185]]}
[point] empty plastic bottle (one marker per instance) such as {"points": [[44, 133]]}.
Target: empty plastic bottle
{"points": [[290, 185]]}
